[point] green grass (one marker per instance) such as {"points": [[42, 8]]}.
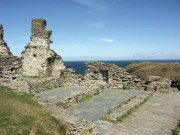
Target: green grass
{"points": [[33, 77], [175, 132], [87, 97], [124, 88], [134, 108], [21, 115]]}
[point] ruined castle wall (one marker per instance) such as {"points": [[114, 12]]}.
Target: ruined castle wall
{"points": [[10, 66], [111, 74], [37, 58]]}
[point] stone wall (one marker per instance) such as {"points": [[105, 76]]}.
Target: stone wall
{"points": [[37, 58], [4, 49], [111, 74], [10, 66], [156, 83], [44, 84]]}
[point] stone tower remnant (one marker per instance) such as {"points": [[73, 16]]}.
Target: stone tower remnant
{"points": [[9, 65], [37, 58], [4, 49]]}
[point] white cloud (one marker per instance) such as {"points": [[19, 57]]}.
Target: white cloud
{"points": [[107, 40], [97, 4], [97, 24], [103, 40]]}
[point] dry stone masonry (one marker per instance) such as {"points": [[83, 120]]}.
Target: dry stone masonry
{"points": [[37, 58], [9, 65], [113, 75]]}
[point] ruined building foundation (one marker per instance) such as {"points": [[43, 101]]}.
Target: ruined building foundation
{"points": [[37, 58]]}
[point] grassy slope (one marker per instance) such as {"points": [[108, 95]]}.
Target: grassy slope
{"points": [[20, 115], [142, 69]]}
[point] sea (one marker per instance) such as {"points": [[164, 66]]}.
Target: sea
{"points": [[80, 66]]}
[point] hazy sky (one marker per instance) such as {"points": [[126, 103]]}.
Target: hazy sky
{"points": [[97, 29]]}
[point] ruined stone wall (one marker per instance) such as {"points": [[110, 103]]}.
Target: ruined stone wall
{"points": [[156, 83], [37, 58], [113, 75], [44, 84], [10, 66], [4, 49]]}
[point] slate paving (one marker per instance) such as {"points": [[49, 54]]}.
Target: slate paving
{"points": [[99, 105], [159, 116], [53, 96]]}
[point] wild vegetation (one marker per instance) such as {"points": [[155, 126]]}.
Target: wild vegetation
{"points": [[21, 115], [144, 69]]}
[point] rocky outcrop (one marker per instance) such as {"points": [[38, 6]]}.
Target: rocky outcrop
{"points": [[37, 58]]}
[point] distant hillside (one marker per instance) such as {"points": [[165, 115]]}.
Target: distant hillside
{"points": [[143, 69]]}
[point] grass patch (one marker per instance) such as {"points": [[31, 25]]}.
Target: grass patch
{"points": [[124, 88], [90, 130], [21, 115], [33, 77], [165, 70], [134, 108], [175, 132], [87, 97]]}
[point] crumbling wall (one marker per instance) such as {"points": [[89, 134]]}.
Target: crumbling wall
{"points": [[113, 75], [156, 83], [37, 58], [10, 66], [4, 49]]}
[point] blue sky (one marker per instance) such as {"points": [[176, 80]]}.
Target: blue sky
{"points": [[97, 29]]}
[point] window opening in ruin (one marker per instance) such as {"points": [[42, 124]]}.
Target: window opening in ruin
{"points": [[35, 47], [105, 76], [13, 78], [12, 69], [34, 55]]}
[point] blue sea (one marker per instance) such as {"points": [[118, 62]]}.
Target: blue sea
{"points": [[80, 66]]}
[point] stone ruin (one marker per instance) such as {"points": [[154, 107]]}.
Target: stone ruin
{"points": [[9, 65], [37, 58]]}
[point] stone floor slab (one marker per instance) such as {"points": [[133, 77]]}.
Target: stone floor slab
{"points": [[53, 96], [159, 116], [99, 105]]}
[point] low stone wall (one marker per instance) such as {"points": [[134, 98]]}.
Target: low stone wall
{"points": [[74, 97], [74, 125], [36, 86], [156, 83], [113, 75], [10, 67]]}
